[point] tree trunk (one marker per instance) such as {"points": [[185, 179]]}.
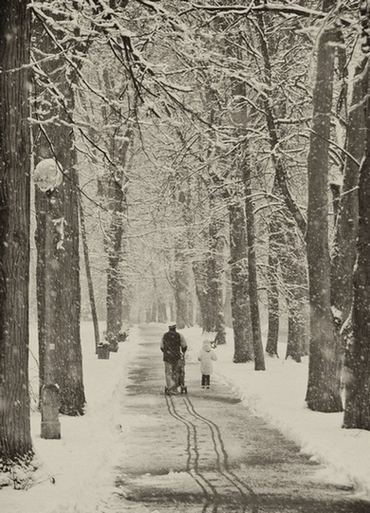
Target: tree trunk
{"points": [[200, 277], [72, 394], [357, 410], [214, 287], [272, 294], [90, 284], [54, 139], [293, 269], [259, 360], [114, 286], [181, 291], [118, 200], [182, 269], [344, 246], [295, 334], [15, 434], [243, 344], [162, 312], [323, 390]]}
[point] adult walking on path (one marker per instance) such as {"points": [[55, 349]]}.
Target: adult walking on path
{"points": [[173, 346], [205, 452]]}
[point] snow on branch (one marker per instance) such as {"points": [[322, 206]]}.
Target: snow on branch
{"points": [[265, 7]]}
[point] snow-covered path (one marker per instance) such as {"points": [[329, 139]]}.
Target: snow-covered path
{"points": [[206, 452]]}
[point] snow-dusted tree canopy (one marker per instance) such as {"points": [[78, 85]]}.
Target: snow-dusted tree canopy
{"points": [[215, 157]]}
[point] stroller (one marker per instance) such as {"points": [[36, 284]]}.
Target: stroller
{"points": [[178, 375], [181, 374]]}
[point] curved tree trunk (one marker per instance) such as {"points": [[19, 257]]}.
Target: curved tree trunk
{"points": [[281, 177]]}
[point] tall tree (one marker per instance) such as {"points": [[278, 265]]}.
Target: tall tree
{"points": [[259, 360], [54, 138], [120, 136], [181, 262], [357, 409], [293, 269], [344, 245], [89, 279], [240, 301], [15, 435], [273, 291], [323, 389]]}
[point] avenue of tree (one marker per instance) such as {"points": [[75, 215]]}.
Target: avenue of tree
{"points": [[206, 162]]}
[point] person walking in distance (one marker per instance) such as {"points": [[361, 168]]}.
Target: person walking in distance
{"points": [[172, 345], [206, 357]]}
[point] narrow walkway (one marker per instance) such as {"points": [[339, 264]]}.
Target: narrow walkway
{"points": [[205, 452]]}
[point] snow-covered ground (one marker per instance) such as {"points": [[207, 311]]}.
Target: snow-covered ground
{"points": [[74, 472]]}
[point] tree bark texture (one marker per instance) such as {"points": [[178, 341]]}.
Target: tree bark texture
{"points": [[214, 275], [15, 435], [294, 274], [357, 408], [215, 316], [344, 245], [243, 342], [323, 390], [200, 278], [294, 347], [114, 279], [182, 268], [272, 294], [54, 138], [259, 360], [116, 244], [181, 291]]}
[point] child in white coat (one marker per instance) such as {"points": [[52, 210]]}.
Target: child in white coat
{"points": [[206, 357]]}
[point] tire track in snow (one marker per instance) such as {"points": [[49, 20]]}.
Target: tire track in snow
{"points": [[190, 417], [192, 466], [222, 456]]}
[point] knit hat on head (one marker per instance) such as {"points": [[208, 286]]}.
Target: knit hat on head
{"points": [[207, 345]]}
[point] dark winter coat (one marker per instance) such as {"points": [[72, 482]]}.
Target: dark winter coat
{"points": [[172, 345]]}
